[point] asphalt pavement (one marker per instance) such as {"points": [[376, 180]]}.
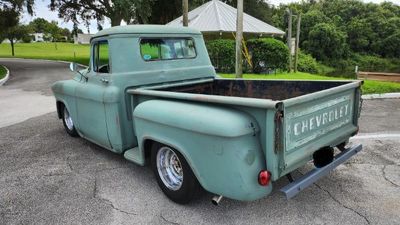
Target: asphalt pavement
{"points": [[27, 93], [48, 177]]}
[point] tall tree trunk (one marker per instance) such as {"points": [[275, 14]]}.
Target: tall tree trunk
{"points": [[116, 21], [12, 46]]}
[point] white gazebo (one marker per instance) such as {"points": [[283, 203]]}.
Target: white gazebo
{"points": [[216, 17]]}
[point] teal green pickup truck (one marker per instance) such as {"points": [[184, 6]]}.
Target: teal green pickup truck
{"points": [[151, 94]]}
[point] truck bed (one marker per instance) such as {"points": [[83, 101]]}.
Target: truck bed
{"points": [[295, 117], [263, 89]]}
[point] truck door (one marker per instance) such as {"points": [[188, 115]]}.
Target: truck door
{"points": [[89, 96]]}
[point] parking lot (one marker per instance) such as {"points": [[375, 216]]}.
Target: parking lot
{"points": [[48, 177]]}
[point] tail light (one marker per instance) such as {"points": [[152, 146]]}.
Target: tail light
{"points": [[264, 177]]}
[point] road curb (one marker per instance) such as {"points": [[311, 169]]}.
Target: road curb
{"points": [[47, 60], [4, 80], [381, 96]]}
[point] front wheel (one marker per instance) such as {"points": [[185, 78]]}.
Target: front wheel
{"points": [[173, 174], [69, 123]]}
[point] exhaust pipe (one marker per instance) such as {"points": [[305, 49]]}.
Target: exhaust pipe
{"points": [[216, 199]]}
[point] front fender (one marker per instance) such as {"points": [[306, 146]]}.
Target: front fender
{"points": [[64, 92], [220, 144]]}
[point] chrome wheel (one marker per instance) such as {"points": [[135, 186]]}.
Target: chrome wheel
{"points": [[68, 119], [169, 168]]}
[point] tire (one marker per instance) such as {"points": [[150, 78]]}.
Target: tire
{"points": [[323, 157], [176, 180], [68, 123]]}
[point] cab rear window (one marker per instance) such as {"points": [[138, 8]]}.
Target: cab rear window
{"points": [[153, 49]]}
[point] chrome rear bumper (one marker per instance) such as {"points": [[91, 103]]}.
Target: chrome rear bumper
{"points": [[309, 178]]}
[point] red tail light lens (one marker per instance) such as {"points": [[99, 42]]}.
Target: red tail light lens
{"points": [[264, 177]]}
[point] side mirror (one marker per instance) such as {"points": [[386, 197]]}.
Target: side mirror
{"points": [[73, 67]]}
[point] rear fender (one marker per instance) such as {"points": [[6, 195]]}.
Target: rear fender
{"points": [[220, 144]]}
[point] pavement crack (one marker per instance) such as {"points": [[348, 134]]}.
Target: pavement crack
{"points": [[341, 204], [106, 201], [56, 174], [113, 168], [69, 164], [168, 221], [387, 179]]}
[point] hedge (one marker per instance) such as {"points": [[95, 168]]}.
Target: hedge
{"points": [[222, 54], [268, 53], [307, 64]]}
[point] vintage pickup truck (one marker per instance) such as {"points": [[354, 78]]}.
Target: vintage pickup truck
{"points": [[151, 94]]}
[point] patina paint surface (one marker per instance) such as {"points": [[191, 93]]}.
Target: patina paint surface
{"points": [[228, 130]]}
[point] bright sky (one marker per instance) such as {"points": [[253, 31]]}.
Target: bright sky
{"points": [[42, 10]]}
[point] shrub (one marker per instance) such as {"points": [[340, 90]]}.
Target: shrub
{"points": [[26, 39], [222, 54], [307, 63], [268, 53]]}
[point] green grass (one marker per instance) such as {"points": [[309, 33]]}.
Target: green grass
{"points": [[3, 72], [64, 51], [369, 87]]}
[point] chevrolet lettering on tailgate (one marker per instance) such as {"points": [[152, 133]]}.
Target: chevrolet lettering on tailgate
{"points": [[310, 123]]}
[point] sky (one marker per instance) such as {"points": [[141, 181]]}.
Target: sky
{"points": [[41, 9]]}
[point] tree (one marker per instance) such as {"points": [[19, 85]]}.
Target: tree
{"points": [[16, 33], [309, 20], [9, 18], [115, 10], [390, 46], [18, 5], [325, 42], [360, 35], [39, 25]]}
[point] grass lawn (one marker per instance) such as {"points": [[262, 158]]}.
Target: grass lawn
{"points": [[369, 87], [3, 72], [64, 51]]}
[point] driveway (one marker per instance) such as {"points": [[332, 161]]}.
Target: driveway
{"points": [[27, 92], [47, 177]]}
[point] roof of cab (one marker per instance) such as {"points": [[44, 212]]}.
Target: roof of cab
{"points": [[146, 29]]}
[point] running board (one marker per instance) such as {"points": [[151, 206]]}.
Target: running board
{"points": [[292, 189], [134, 155]]}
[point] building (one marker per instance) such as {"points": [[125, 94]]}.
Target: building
{"points": [[37, 37], [82, 38]]}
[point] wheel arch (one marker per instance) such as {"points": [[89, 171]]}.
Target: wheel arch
{"points": [[60, 106], [148, 141]]}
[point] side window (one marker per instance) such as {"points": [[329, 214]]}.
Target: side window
{"points": [[101, 57], [153, 49]]}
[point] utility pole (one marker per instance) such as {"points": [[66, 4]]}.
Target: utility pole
{"points": [[296, 59], [185, 9], [289, 38], [239, 37]]}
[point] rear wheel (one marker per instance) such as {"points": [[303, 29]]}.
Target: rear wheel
{"points": [[68, 123], [173, 174]]}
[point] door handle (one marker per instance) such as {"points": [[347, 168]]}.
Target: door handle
{"points": [[104, 80]]}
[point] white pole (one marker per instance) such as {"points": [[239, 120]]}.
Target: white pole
{"points": [[289, 38], [296, 59], [239, 37]]}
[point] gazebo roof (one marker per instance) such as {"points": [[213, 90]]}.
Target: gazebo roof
{"points": [[218, 17]]}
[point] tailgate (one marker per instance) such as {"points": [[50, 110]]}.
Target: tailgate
{"points": [[313, 121]]}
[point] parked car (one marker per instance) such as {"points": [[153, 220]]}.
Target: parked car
{"points": [[151, 94]]}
